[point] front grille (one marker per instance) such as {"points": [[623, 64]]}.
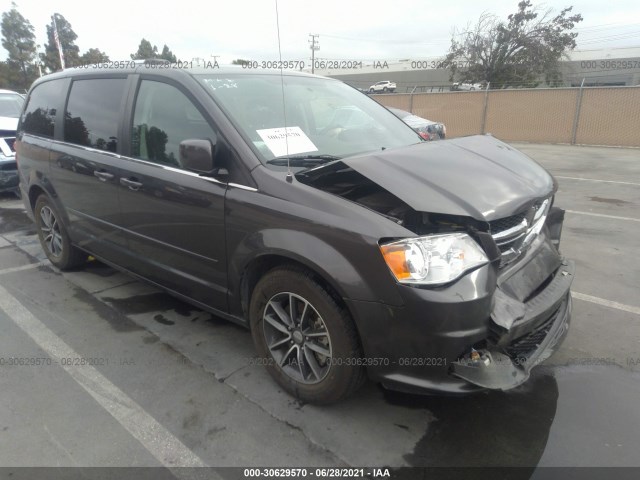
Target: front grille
{"points": [[526, 345], [506, 223], [11, 142], [515, 233], [509, 233]]}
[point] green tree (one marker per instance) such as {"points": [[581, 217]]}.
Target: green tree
{"points": [[167, 54], [19, 41], [145, 50], [94, 55], [70, 50], [519, 52], [7, 76]]}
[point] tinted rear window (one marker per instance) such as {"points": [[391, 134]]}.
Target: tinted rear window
{"points": [[93, 113], [40, 114]]}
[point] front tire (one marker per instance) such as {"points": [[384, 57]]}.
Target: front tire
{"points": [[54, 237], [306, 340]]}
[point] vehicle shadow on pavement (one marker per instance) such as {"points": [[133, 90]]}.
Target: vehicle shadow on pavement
{"points": [[488, 429]]}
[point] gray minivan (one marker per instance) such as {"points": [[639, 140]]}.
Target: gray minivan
{"points": [[348, 248]]}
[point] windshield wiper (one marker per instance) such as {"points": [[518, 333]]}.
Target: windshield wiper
{"points": [[303, 160]]}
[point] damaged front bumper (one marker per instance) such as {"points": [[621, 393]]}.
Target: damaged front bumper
{"points": [[485, 331], [507, 361], [8, 176], [8, 166]]}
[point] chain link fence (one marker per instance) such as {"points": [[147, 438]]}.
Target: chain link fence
{"points": [[584, 115]]}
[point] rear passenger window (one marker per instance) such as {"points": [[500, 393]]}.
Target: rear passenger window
{"points": [[40, 114], [163, 118], [93, 113]]}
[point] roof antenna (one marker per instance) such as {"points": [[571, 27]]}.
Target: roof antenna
{"points": [[284, 109]]}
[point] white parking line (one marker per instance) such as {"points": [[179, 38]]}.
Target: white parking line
{"points": [[161, 443], [615, 217], [606, 303], [12, 204], [24, 267], [596, 180]]}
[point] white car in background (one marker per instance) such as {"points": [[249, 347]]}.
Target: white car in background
{"points": [[467, 86], [10, 107], [383, 86]]}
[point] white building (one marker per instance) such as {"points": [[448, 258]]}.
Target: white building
{"points": [[613, 66]]}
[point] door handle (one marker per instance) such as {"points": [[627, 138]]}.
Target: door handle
{"points": [[103, 176], [132, 184]]}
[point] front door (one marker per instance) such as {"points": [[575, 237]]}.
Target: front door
{"points": [[173, 218]]}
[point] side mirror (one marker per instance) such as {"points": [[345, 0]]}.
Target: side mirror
{"points": [[197, 155]]}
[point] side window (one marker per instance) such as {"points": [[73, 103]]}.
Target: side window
{"points": [[40, 114], [163, 118], [93, 112]]}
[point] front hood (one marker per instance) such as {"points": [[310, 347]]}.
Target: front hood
{"points": [[477, 176], [8, 123]]}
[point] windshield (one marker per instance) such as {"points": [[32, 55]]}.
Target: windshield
{"points": [[325, 119], [10, 105]]}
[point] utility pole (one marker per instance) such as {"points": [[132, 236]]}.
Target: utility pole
{"points": [[313, 45], [38, 62], [56, 39]]}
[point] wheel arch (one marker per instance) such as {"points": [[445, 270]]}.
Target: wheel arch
{"points": [[343, 267], [34, 192], [259, 266], [37, 188]]}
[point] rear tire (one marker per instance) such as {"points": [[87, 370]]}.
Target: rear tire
{"points": [[54, 237], [306, 340]]}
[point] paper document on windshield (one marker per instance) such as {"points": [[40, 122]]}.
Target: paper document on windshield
{"points": [[277, 138]]}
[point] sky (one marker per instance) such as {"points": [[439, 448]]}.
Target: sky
{"points": [[347, 29]]}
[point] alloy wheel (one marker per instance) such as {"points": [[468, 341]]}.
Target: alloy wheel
{"points": [[50, 231], [297, 338]]}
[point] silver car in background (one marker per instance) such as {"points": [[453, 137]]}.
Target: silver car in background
{"points": [[10, 107], [427, 129]]}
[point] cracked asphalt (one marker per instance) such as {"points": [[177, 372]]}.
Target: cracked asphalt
{"points": [[121, 374]]}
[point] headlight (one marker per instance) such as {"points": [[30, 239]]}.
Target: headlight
{"points": [[433, 259]]}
